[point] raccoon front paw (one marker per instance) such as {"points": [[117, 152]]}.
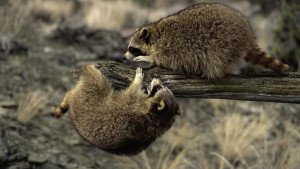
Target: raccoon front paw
{"points": [[137, 59], [139, 76], [155, 81], [148, 59]]}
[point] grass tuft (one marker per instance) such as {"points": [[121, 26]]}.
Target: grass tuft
{"points": [[172, 154], [13, 16], [31, 104], [234, 134]]}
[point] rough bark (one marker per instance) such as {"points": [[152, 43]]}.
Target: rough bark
{"points": [[265, 86]]}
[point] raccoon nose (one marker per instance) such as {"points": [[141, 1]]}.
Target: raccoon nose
{"points": [[124, 57]]}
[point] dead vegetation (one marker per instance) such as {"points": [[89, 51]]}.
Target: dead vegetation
{"points": [[31, 104], [95, 14], [13, 16], [53, 10], [12, 19], [235, 134], [172, 153], [231, 140], [111, 14]]}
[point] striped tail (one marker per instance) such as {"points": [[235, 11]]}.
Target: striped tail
{"points": [[259, 57]]}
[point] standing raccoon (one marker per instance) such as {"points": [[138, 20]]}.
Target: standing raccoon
{"points": [[208, 39], [121, 122]]}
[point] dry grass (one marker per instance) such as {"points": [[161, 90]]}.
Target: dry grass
{"points": [[119, 14], [93, 13], [235, 134], [282, 153], [97, 14], [231, 140], [13, 16], [172, 154], [52, 9], [31, 104], [112, 14]]}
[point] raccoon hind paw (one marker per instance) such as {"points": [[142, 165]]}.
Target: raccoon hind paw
{"points": [[60, 111]]}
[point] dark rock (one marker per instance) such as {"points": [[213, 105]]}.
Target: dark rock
{"points": [[48, 166], [15, 147], [66, 59], [9, 104], [9, 46], [104, 44], [20, 165], [71, 35], [62, 159], [3, 146], [37, 157], [268, 6]]}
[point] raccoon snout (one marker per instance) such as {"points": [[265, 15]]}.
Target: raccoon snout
{"points": [[124, 57]]}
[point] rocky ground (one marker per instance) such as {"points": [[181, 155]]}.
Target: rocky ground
{"points": [[36, 71], [44, 66]]}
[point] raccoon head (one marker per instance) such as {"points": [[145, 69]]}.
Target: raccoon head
{"points": [[164, 106], [139, 44]]}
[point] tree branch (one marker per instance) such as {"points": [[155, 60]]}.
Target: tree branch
{"points": [[266, 86]]}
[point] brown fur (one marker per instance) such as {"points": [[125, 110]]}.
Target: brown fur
{"points": [[121, 122], [208, 39]]}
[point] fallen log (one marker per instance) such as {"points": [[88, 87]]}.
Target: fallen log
{"points": [[265, 86]]}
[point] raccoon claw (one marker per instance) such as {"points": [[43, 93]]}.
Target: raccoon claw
{"points": [[136, 59], [148, 59], [154, 82], [148, 89], [139, 74]]}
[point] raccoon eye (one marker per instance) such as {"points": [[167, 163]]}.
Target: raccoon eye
{"points": [[155, 89], [135, 51]]}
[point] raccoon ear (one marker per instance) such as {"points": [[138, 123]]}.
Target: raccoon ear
{"points": [[144, 33], [161, 105]]}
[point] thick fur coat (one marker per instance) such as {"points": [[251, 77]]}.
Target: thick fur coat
{"points": [[121, 122], [208, 39]]}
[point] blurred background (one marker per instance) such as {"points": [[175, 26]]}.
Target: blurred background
{"points": [[42, 41]]}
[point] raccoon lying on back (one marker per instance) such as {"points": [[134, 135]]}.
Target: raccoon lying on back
{"points": [[121, 122], [208, 39]]}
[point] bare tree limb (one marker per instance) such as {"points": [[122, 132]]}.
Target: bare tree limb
{"points": [[266, 86]]}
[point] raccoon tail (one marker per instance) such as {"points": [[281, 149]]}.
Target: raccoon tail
{"points": [[93, 81], [258, 57]]}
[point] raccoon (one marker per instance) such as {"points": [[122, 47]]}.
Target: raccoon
{"points": [[121, 122], [207, 39]]}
